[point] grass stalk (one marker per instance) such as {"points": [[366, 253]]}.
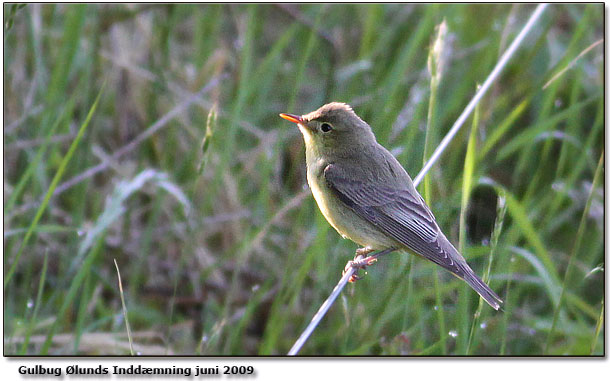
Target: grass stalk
{"points": [[75, 287], [574, 252], [23, 180], [467, 184], [500, 213], [598, 328], [60, 171], [508, 304], [435, 67], [38, 302], [127, 327]]}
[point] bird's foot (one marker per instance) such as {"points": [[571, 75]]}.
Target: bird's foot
{"points": [[360, 261]]}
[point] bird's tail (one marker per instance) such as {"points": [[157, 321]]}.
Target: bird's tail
{"points": [[457, 265], [444, 254], [481, 288]]}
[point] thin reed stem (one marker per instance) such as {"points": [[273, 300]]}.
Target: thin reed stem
{"points": [[118, 273]]}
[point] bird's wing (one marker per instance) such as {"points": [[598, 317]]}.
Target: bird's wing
{"points": [[399, 212]]}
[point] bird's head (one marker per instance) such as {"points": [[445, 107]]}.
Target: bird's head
{"points": [[333, 129]]}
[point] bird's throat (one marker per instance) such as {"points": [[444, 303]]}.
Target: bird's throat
{"points": [[306, 135]]}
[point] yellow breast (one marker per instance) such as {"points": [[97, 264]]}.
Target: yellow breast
{"points": [[322, 196], [343, 219]]}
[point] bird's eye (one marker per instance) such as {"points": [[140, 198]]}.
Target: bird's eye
{"points": [[325, 127]]}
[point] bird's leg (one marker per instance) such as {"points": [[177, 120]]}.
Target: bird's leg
{"points": [[361, 260], [356, 263], [365, 260], [364, 251]]}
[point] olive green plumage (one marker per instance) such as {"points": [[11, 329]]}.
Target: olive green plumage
{"points": [[368, 197]]}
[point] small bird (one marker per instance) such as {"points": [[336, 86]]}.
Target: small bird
{"points": [[368, 197]]}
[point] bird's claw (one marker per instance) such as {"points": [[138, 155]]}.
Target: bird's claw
{"points": [[355, 265], [360, 261]]}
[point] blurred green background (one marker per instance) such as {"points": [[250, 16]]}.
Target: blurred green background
{"points": [[149, 135]]}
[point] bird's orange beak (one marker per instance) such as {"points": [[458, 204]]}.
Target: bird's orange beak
{"points": [[292, 118]]}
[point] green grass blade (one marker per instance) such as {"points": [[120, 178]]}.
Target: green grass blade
{"points": [[519, 215], [574, 252], [75, 17], [82, 311], [495, 235], [54, 182], [75, 287], [529, 135], [598, 328], [127, 326], [47, 228], [435, 69], [30, 329], [23, 180], [503, 128], [467, 181]]}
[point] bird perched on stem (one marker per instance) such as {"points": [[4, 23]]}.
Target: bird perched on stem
{"points": [[368, 197]]}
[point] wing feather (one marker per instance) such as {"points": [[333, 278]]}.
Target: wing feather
{"points": [[398, 212]]}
